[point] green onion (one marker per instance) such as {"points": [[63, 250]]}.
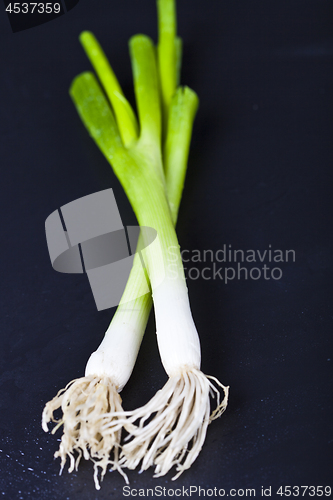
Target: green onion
{"points": [[151, 166]]}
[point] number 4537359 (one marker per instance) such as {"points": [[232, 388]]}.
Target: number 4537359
{"points": [[302, 491], [33, 7]]}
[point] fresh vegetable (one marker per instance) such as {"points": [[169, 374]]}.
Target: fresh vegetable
{"points": [[150, 160]]}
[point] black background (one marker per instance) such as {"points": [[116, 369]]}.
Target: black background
{"points": [[259, 175]]}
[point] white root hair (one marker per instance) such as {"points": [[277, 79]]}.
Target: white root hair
{"points": [[178, 416], [83, 402]]}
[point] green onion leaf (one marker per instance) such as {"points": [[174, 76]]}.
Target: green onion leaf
{"points": [[144, 68], [125, 116]]}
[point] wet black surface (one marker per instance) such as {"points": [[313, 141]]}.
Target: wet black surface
{"points": [[259, 179]]}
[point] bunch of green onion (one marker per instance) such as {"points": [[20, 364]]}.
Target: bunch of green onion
{"points": [[149, 156]]}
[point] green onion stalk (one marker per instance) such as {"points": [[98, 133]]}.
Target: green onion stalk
{"points": [[149, 157]]}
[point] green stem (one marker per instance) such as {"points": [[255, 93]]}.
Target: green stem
{"points": [[179, 56], [168, 53], [177, 144], [125, 116], [146, 88], [137, 171]]}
